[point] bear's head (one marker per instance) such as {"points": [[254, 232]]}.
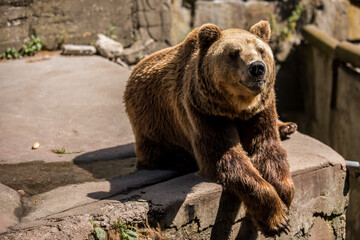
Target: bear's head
{"points": [[237, 65]]}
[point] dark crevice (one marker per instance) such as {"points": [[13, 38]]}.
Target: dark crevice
{"points": [[335, 67], [190, 4], [330, 218], [326, 217]]}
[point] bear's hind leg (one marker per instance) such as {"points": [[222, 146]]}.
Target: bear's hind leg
{"points": [[286, 129]]}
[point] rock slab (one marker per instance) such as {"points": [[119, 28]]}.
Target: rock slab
{"points": [[10, 207], [191, 207], [108, 47], [71, 49]]}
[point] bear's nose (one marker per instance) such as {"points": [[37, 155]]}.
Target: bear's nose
{"points": [[257, 69]]}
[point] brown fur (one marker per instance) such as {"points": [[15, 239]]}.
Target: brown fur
{"points": [[198, 101]]}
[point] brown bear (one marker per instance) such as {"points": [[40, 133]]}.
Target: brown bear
{"points": [[210, 100]]}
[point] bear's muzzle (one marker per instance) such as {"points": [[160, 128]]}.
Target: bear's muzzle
{"points": [[257, 69]]}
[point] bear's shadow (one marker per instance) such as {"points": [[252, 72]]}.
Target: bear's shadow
{"points": [[119, 157]]}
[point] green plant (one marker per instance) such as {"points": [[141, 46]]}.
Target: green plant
{"points": [[29, 49], [111, 32], [126, 231], [34, 45], [63, 151], [10, 53], [287, 29], [92, 42], [97, 233]]}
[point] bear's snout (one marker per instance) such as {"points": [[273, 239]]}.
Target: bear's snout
{"points": [[257, 69]]}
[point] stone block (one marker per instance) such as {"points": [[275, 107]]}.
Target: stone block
{"points": [[70, 49], [108, 47], [153, 18], [137, 51], [259, 10], [10, 207], [345, 132], [180, 24], [332, 18], [232, 14], [354, 22], [75, 195], [223, 14], [321, 230], [192, 207], [141, 18], [156, 32], [317, 99]]}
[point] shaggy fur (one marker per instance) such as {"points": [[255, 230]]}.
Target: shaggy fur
{"points": [[197, 100]]}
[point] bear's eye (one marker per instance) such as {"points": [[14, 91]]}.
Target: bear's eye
{"points": [[234, 54], [262, 52]]}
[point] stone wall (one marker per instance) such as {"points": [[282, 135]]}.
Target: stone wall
{"points": [[331, 98], [332, 91], [78, 22], [165, 21], [331, 16]]}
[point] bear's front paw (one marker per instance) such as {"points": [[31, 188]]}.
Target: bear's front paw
{"points": [[276, 223], [270, 215]]}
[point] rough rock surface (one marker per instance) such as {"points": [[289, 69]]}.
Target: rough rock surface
{"points": [[73, 103], [191, 207], [65, 21], [71, 49], [10, 207], [137, 51], [71, 196], [108, 47]]}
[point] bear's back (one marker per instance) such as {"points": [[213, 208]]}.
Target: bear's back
{"points": [[153, 95]]}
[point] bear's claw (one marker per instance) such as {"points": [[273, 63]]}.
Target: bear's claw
{"points": [[282, 226]]}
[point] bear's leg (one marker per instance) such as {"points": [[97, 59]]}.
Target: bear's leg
{"points": [[261, 141], [152, 155], [220, 157]]}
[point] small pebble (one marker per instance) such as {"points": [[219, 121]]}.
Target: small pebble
{"points": [[21, 192], [36, 145]]}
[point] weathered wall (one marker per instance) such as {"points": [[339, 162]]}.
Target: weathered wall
{"points": [[332, 91], [331, 88], [78, 22], [331, 16], [166, 21], [345, 115]]}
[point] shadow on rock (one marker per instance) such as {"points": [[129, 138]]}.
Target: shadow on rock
{"points": [[108, 163], [177, 201]]}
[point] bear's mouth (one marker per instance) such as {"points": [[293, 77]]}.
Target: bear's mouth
{"points": [[256, 85]]}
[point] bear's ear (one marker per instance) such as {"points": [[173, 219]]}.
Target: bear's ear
{"points": [[262, 30], [208, 34]]}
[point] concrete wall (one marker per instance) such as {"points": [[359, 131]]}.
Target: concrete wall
{"points": [[331, 98], [332, 92], [78, 22], [166, 21]]}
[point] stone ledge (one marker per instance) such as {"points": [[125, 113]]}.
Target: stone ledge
{"points": [[323, 41], [348, 52], [344, 51], [191, 207]]}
